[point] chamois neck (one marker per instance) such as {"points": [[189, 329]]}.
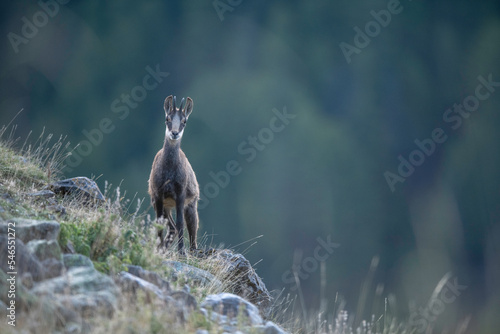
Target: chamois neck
{"points": [[171, 150]]}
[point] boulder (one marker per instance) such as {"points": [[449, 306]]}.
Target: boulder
{"points": [[193, 275], [43, 249], [149, 276], [245, 281], [136, 287], [52, 268], [79, 188], [76, 260], [49, 255], [184, 303], [83, 290], [269, 328], [25, 262], [24, 299], [227, 308], [30, 229]]}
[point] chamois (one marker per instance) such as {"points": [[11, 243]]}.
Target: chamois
{"points": [[172, 182]]}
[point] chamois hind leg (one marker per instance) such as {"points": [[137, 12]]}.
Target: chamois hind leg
{"points": [[191, 217]]}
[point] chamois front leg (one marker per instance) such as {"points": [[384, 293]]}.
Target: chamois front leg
{"points": [[179, 223], [158, 206], [169, 235]]}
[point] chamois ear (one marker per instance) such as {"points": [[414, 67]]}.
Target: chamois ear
{"points": [[189, 107], [168, 104]]}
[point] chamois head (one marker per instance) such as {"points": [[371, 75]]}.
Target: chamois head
{"points": [[176, 118]]}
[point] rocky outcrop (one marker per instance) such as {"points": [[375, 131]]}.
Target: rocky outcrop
{"points": [[245, 281], [227, 308], [83, 290], [29, 229], [67, 292], [233, 312], [27, 265], [190, 274], [80, 188]]}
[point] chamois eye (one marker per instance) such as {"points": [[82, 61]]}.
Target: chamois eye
{"points": [[168, 119]]}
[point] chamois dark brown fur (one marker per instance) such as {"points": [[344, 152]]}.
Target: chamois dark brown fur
{"points": [[172, 182]]}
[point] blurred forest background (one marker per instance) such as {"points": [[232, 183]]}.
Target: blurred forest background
{"points": [[83, 69]]}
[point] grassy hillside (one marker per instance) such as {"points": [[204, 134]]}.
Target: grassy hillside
{"points": [[109, 234]]}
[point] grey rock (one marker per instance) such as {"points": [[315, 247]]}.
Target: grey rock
{"points": [[72, 328], [149, 276], [68, 248], [101, 303], [29, 229], [185, 298], [8, 198], [43, 249], [83, 290], [77, 280], [239, 271], [52, 267], [76, 260], [3, 307], [49, 254], [27, 280], [24, 298], [132, 285], [249, 284], [228, 308], [184, 303], [271, 328], [80, 188], [193, 275], [25, 262], [202, 331]]}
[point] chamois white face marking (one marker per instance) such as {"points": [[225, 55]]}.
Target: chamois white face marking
{"points": [[175, 126], [176, 118]]}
